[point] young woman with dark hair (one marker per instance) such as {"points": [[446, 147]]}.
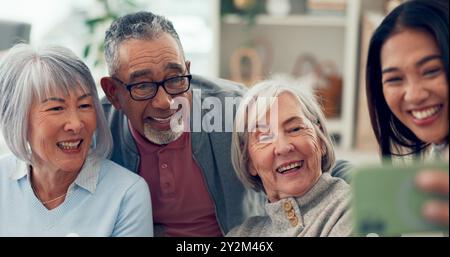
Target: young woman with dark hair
{"points": [[407, 91]]}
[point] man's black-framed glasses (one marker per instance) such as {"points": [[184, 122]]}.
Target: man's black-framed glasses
{"points": [[145, 90]]}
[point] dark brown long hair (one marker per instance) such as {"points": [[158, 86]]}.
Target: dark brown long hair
{"points": [[430, 16]]}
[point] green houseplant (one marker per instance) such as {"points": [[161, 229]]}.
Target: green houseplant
{"points": [[97, 25]]}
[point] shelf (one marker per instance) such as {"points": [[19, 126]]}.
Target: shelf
{"points": [[328, 36], [292, 20]]}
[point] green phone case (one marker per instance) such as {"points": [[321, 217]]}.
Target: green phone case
{"points": [[386, 202]]}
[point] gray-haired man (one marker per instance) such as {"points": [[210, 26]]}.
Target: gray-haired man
{"points": [[193, 187]]}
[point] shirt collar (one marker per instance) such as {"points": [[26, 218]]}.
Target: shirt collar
{"points": [[87, 178], [437, 152], [20, 171]]}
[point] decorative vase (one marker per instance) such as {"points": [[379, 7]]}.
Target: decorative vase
{"points": [[245, 66], [244, 4]]}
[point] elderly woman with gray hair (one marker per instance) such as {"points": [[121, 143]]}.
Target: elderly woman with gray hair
{"points": [[281, 146], [57, 182]]}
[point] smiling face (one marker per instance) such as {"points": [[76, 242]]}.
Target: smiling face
{"points": [[287, 157], [415, 85], [60, 131], [149, 61]]}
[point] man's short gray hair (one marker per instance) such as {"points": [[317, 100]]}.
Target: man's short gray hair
{"points": [[140, 25], [28, 74], [272, 88]]}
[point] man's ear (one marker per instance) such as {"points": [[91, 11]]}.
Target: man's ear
{"points": [[110, 90], [188, 66]]}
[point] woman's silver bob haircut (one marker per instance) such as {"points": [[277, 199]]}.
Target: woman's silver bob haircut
{"points": [[28, 74], [271, 89]]}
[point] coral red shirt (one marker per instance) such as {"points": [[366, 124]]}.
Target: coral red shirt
{"points": [[180, 199]]}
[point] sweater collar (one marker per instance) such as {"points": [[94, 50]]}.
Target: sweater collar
{"points": [[87, 177], [287, 215]]}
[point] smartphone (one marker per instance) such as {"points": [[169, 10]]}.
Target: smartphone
{"points": [[386, 201]]}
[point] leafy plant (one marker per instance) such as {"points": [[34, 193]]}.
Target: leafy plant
{"points": [[97, 26]]}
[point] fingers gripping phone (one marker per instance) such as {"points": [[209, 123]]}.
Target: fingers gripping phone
{"points": [[386, 201]]}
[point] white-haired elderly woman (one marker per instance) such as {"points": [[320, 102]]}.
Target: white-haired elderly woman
{"points": [[281, 146], [57, 182]]}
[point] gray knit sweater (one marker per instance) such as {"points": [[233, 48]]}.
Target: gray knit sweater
{"points": [[322, 211]]}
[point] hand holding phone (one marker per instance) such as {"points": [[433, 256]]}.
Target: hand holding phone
{"points": [[386, 200], [435, 182]]}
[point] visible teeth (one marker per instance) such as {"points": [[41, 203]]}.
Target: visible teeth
{"points": [[420, 115], [290, 166], [162, 120], [69, 145]]}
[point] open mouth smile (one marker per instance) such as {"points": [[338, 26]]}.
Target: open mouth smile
{"points": [[292, 166], [70, 145], [161, 119], [425, 113]]}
